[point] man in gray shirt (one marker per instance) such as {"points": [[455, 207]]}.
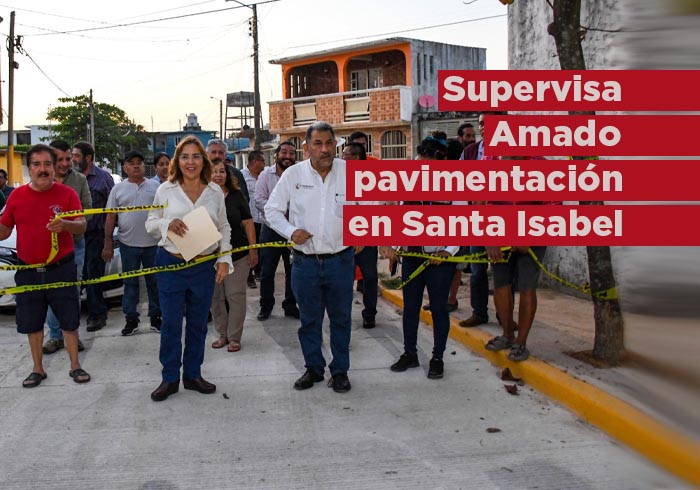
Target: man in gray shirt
{"points": [[136, 247], [64, 173]]}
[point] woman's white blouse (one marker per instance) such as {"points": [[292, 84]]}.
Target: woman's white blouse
{"points": [[178, 205]]}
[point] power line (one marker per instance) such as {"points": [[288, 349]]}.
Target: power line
{"points": [[397, 32], [169, 10], [146, 21], [55, 15], [24, 52]]}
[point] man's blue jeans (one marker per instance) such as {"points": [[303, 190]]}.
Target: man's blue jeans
{"points": [[270, 258], [324, 285], [94, 268], [132, 259], [479, 286], [367, 261], [55, 332], [437, 279], [188, 293]]}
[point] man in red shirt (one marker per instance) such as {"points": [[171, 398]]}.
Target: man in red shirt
{"points": [[32, 208]]}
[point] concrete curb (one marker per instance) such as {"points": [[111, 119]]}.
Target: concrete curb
{"points": [[664, 446]]}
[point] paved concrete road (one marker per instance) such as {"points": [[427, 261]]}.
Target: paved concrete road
{"points": [[391, 431]]}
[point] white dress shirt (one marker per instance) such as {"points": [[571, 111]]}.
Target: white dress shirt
{"points": [[178, 205], [267, 180], [314, 205]]}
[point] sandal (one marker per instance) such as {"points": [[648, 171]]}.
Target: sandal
{"points": [[34, 380], [79, 375], [518, 353], [498, 343], [218, 344], [234, 346]]}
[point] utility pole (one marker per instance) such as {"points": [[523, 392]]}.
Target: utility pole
{"points": [[256, 79], [1, 118], [10, 107], [221, 120], [253, 32], [92, 121], [221, 115]]}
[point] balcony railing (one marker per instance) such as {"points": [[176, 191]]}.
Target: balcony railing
{"points": [[374, 105]]}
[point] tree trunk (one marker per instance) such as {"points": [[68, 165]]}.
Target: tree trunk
{"points": [[609, 327]]}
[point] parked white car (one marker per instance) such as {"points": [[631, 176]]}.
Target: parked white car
{"points": [[8, 256]]}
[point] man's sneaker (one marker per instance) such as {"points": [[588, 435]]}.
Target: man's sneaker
{"points": [[251, 283], [436, 368], [156, 322], [96, 323], [368, 323], [131, 327], [52, 345], [405, 361]]}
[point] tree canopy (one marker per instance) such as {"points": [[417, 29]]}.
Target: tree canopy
{"points": [[115, 133]]}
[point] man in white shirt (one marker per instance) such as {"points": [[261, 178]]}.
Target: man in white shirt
{"points": [[285, 157], [256, 164], [323, 268]]}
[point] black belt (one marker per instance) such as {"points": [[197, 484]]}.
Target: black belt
{"points": [[320, 256], [63, 260]]}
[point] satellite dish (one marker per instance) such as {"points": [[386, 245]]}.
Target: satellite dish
{"points": [[426, 101]]}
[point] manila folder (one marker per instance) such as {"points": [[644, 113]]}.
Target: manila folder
{"points": [[201, 234]]}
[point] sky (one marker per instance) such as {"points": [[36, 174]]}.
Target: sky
{"points": [[158, 72]]}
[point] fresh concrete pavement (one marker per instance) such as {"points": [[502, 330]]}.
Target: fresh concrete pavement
{"points": [[392, 430]]}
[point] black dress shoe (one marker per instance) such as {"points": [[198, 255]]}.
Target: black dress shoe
{"points": [[264, 315], [293, 312], [368, 323], [436, 369], [307, 380], [405, 361], [200, 384], [340, 383], [164, 391], [96, 323]]}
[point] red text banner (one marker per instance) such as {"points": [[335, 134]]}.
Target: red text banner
{"points": [[521, 225], [556, 90], [523, 180], [590, 135]]}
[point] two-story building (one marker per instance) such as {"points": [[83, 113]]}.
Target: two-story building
{"points": [[386, 88]]}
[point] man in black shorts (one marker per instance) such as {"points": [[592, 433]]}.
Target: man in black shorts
{"points": [[520, 265], [32, 209]]}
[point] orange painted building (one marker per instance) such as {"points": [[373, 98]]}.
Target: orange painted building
{"points": [[385, 88]]}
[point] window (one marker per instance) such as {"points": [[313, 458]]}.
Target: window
{"points": [[296, 141], [339, 149], [393, 145], [418, 71], [432, 68], [425, 67], [298, 85], [365, 79]]}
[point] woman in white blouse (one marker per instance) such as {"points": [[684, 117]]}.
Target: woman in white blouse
{"points": [[187, 292]]}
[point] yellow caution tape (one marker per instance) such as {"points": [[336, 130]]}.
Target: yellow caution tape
{"points": [[138, 272], [69, 214], [478, 257], [608, 294]]}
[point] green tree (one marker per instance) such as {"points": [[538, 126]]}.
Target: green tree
{"points": [[608, 344], [115, 133]]}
